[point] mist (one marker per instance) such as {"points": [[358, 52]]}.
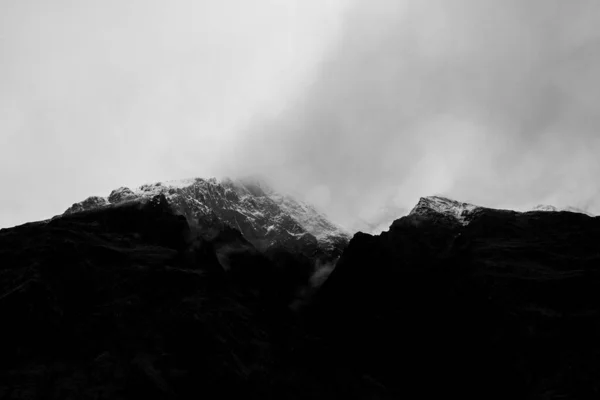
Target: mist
{"points": [[491, 102], [95, 95], [362, 107]]}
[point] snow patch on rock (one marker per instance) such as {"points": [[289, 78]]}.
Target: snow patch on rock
{"points": [[248, 204], [442, 205]]}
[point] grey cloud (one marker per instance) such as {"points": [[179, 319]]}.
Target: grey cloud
{"points": [[495, 102], [489, 101], [100, 94]]}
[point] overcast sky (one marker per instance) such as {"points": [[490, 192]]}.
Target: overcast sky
{"points": [[356, 104], [99, 94]]}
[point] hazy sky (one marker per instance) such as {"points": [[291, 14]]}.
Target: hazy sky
{"points": [[99, 94], [357, 104], [495, 102]]}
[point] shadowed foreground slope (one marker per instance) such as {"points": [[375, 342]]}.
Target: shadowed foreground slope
{"points": [[129, 301], [487, 304]]}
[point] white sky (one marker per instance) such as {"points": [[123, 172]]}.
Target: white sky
{"points": [[99, 94]]}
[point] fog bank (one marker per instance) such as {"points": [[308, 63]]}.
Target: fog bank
{"points": [[487, 101]]}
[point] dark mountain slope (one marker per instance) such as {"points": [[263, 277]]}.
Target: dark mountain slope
{"points": [[483, 304], [128, 302]]}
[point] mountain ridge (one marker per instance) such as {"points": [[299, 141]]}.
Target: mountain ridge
{"points": [[486, 303], [464, 212], [128, 299], [267, 218]]}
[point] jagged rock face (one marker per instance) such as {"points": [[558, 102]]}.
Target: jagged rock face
{"points": [[88, 204], [484, 303], [121, 194], [441, 206], [266, 218]]}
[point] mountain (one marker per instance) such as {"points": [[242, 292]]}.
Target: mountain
{"points": [[459, 212], [153, 293], [470, 301], [437, 206], [125, 301], [266, 218]]}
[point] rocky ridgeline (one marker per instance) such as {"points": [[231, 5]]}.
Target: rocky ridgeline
{"points": [[473, 301], [266, 218], [116, 299]]}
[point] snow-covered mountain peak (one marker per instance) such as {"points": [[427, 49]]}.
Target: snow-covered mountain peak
{"points": [[264, 216], [463, 212], [442, 205]]}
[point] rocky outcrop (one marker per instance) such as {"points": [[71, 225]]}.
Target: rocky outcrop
{"points": [[120, 195], [91, 203], [266, 218], [436, 206]]}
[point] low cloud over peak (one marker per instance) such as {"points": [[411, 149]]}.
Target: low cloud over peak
{"points": [[493, 102]]}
